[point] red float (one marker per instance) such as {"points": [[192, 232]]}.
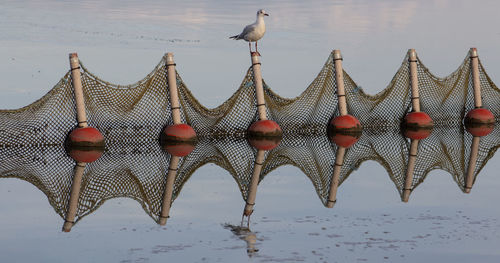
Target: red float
{"points": [[179, 149], [345, 123], [179, 133], [417, 125], [345, 130], [479, 122], [85, 137], [85, 155], [264, 128]]}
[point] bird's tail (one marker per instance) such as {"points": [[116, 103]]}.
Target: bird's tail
{"points": [[235, 37]]}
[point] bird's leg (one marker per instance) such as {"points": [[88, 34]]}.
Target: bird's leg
{"points": [[256, 49], [250, 46]]}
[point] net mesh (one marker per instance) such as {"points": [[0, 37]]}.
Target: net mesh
{"points": [[132, 117]]}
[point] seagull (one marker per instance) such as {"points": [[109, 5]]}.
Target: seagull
{"points": [[253, 32]]}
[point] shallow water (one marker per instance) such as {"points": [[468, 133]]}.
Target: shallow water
{"points": [[122, 42]]}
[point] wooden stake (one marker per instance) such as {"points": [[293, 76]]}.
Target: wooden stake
{"points": [[259, 89], [415, 98], [339, 79], [252, 192], [412, 158], [74, 196], [475, 78], [469, 178], [172, 87], [76, 80], [169, 188], [339, 161]]}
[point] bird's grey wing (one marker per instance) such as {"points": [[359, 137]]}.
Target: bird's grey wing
{"points": [[247, 30]]}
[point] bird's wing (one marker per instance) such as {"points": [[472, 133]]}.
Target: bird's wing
{"points": [[247, 30]]}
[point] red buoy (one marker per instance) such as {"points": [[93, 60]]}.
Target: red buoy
{"points": [[345, 123], [344, 130], [479, 116], [85, 155], [179, 149], [264, 128], [417, 125], [85, 137], [179, 133]]}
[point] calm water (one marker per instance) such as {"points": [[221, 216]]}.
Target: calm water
{"points": [[122, 41]]}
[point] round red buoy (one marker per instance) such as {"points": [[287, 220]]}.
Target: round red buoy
{"points": [[417, 125], [344, 130], [179, 149], [479, 122], [85, 155], [345, 124], [265, 128], [85, 137], [179, 133], [265, 144]]}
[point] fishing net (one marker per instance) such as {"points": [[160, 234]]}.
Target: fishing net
{"points": [[132, 117]]}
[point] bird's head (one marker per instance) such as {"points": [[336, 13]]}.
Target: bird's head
{"points": [[261, 12]]}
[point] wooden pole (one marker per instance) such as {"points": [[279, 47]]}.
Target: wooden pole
{"points": [[339, 79], [74, 196], [172, 86], [259, 89], [475, 78], [76, 80], [169, 188], [415, 98], [339, 161], [412, 158], [469, 178], [252, 192]]}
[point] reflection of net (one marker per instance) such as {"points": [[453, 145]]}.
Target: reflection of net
{"points": [[139, 170], [132, 117]]}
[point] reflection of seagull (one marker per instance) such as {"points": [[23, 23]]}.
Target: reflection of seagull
{"points": [[246, 234], [253, 32]]}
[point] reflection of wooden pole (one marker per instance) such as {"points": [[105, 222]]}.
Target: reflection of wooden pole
{"points": [[475, 78], [172, 88], [339, 161], [252, 192], [339, 79], [74, 196], [469, 178], [169, 188], [412, 158], [415, 99], [76, 80], [259, 89]]}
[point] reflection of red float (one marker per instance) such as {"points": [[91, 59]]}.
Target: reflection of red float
{"points": [[345, 140], [85, 137], [179, 133], [265, 144], [344, 130], [264, 128], [417, 125], [87, 155], [179, 149], [479, 122]]}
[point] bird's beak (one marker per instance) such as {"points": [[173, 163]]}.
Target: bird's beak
{"points": [[266, 14]]}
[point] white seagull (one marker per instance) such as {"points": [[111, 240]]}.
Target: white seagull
{"points": [[253, 32]]}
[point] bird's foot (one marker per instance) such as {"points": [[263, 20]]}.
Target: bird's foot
{"points": [[255, 53]]}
